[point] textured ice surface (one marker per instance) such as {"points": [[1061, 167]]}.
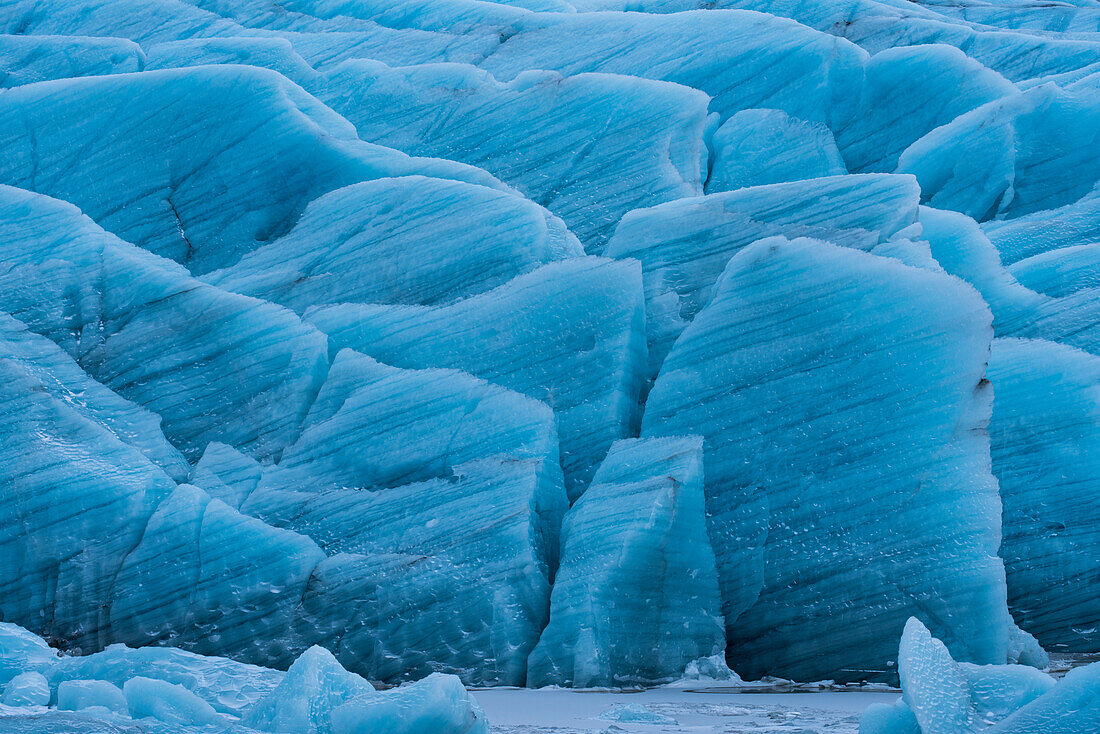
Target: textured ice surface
{"points": [[169, 691], [583, 357], [1011, 157], [405, 240], [29, 59], [1044, 447], [684, 245], [162, 172], [636, 596], [941, 696], [902, 369], [757, 147]]}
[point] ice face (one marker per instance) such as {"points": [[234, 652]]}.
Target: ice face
{"points": [[751, 398], [29, 59], [1043, 452], [638, 534]]}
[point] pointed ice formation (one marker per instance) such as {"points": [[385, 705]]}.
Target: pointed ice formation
{"points": [[585, 357], [900, 443], [941, 696], [636, 597]]}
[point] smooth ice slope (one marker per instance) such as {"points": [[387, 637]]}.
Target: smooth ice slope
{"points": [[1045, 446], [636, 597], [901, 352], [584, 357], [405, 240], [684, 245]]}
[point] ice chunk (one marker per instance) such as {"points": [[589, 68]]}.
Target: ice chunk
{"points": [[1011, 157], [908, 92], [303, 702], [433, 465], [437, 703], [21, 651], [584, 357], [230, 687], [789, 322], [1073, 224], [636, 597], [215, 581], [1062, 272], [636, 713], [1070, 707], [167, 702], [757, 147], [27, 689], [589, 147], [75, 499], [407, 240], [198, 165], [946, 697], [277, 54], [29, 59], [1044, 435], [74, 695], [684, 245]]}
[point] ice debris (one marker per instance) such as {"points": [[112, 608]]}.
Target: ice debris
{"points": [[117, 691]]}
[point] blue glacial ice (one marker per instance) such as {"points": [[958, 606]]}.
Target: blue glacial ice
{"points": [[170, 691], [942, 696], [744, 374], [636, 596], [315, 318]]}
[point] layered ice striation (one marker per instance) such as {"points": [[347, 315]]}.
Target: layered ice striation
{"points": [[585, 358], [1044, 452], [941, 696], [636, 596], [684, 246], [168, 690], [901, 352]]}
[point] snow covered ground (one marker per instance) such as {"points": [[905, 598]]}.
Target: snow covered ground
{"points": [[717, 710]]}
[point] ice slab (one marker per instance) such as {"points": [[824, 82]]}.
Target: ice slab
{"points": [[684, 245], [1011, 157], [584, 357], [636, 598], [437, 703], [407, 240], [29, 59], [758, 147], [789, 322], [1033, 234]]}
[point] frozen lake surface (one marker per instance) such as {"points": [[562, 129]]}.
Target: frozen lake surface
{"points": [[717, 710]]}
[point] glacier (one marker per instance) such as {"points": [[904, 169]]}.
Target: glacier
{"points": [[360, 351]]}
